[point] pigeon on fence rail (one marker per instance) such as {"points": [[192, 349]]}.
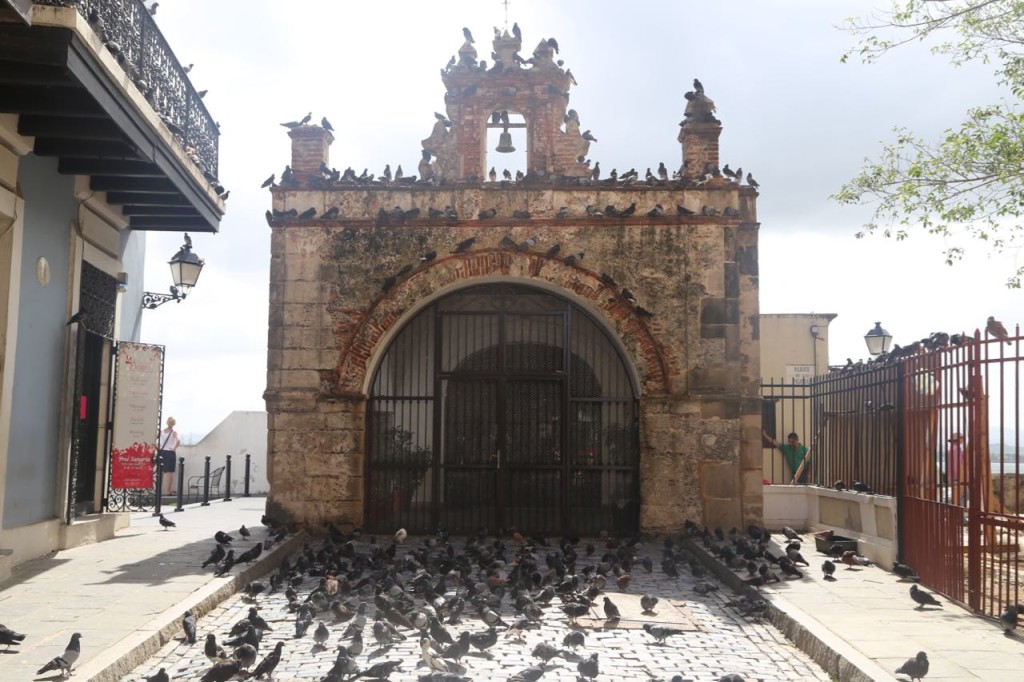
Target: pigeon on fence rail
{"points": [[996, 329]]}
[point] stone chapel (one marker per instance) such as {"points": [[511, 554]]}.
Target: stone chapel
{"points": [[558, 351]]}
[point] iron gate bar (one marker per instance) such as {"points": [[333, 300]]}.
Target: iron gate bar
{"points": [[497, 335]]}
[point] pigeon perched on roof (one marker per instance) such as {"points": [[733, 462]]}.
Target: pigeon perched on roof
{"points": [[65, 661]]}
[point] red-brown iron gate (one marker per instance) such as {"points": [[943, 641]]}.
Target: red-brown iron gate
{"points": [[892, 425]]}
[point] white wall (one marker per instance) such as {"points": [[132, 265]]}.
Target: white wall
{"points": [[240, 433]]}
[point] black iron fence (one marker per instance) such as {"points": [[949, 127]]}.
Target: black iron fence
{"points": [[846, 420], [212, 482], [133, 38]]}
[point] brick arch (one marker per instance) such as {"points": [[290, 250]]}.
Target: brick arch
{"points": [[374, 327]]}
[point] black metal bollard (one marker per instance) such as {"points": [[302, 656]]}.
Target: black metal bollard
{"points": [[181, 483], [248, 459], [206, 483], [158, 486], [227, 484]]}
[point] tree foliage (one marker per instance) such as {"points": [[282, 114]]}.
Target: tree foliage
{"points": [[971, 181]]}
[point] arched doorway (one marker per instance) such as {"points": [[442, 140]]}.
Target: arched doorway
{"points": [[502, 406]]}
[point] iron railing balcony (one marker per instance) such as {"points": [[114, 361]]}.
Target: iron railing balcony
{"points": [[130, 33]]}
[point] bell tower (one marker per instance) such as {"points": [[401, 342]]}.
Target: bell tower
{"points": [[482, 95]]}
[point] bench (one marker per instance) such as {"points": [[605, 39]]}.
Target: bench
{"points": [[196, 483]]}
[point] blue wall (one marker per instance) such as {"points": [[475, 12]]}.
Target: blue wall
{"points": [[50, 208]]}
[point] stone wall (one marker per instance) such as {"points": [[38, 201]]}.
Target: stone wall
{"points": [[674, 281], [696, 355]]}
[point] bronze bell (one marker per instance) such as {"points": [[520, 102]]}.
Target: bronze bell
{"points": [[505, 143]]}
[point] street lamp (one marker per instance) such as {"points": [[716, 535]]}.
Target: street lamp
{"points": [[185, 269], [878, 340]]}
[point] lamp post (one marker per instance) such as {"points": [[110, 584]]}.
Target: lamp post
{"points": [[878, 340], [185, 269]]}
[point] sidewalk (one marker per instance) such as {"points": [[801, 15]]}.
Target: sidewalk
{"points": [[125, 595], [864, 625]]}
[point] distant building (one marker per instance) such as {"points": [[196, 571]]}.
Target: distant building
{"points": [[794, 350], [102, 137], [554, 349], [241, 433]]}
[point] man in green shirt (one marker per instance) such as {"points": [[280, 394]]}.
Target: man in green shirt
{"points": [[794, 452]]}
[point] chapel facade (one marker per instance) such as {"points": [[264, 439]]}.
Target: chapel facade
{"points": [[556, 352]]}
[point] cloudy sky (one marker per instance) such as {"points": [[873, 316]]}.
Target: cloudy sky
{"points": [[792, 114]]}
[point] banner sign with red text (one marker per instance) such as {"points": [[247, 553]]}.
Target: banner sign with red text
{"points": [[137, 384]]}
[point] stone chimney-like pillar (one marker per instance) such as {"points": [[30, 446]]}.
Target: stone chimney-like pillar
{"points": [[310, 148], [700, 147]]}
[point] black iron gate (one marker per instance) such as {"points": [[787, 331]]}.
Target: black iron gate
{"points": [[503, 406]]}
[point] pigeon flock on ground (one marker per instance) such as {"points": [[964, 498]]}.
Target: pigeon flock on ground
{"points": [[457, 599], [454, 598]]}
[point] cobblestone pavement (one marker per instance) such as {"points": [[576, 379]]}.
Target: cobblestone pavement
{"points": [[716, 639]]}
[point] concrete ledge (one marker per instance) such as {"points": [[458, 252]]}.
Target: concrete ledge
{"points": [[93, 528], [5, 564], [834, 655], [132, 651]]}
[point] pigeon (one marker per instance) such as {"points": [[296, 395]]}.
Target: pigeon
{"points": [[9, 637], [852, 559], [379, 671], [611, 611], [648, 602], [996, 329], [267, 665], [159, 676], [904, 572], [916, 668], [464, 245], [326, 125], [1008, 618], [268, 182], [188, 624], [216, 556], [588, 668], [467, 35], [222, 671], [244, 532], [487, 214], [574, 639], [321, 634], [829, 569], [222, 537], [245, 655], [660, 633], [226, 565], [751, 181], [790, 533], [65, 661], [213, 651], [166, 523], [923, 598], [698, 87], [77, 317]]}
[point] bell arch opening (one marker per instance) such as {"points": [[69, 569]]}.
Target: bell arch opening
{"points": [[502, 406]]}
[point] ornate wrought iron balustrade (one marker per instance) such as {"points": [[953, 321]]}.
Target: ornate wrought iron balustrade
{"points": [[131, 34]]}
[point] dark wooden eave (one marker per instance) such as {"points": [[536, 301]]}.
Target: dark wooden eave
{"points": [[66, 100]]}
